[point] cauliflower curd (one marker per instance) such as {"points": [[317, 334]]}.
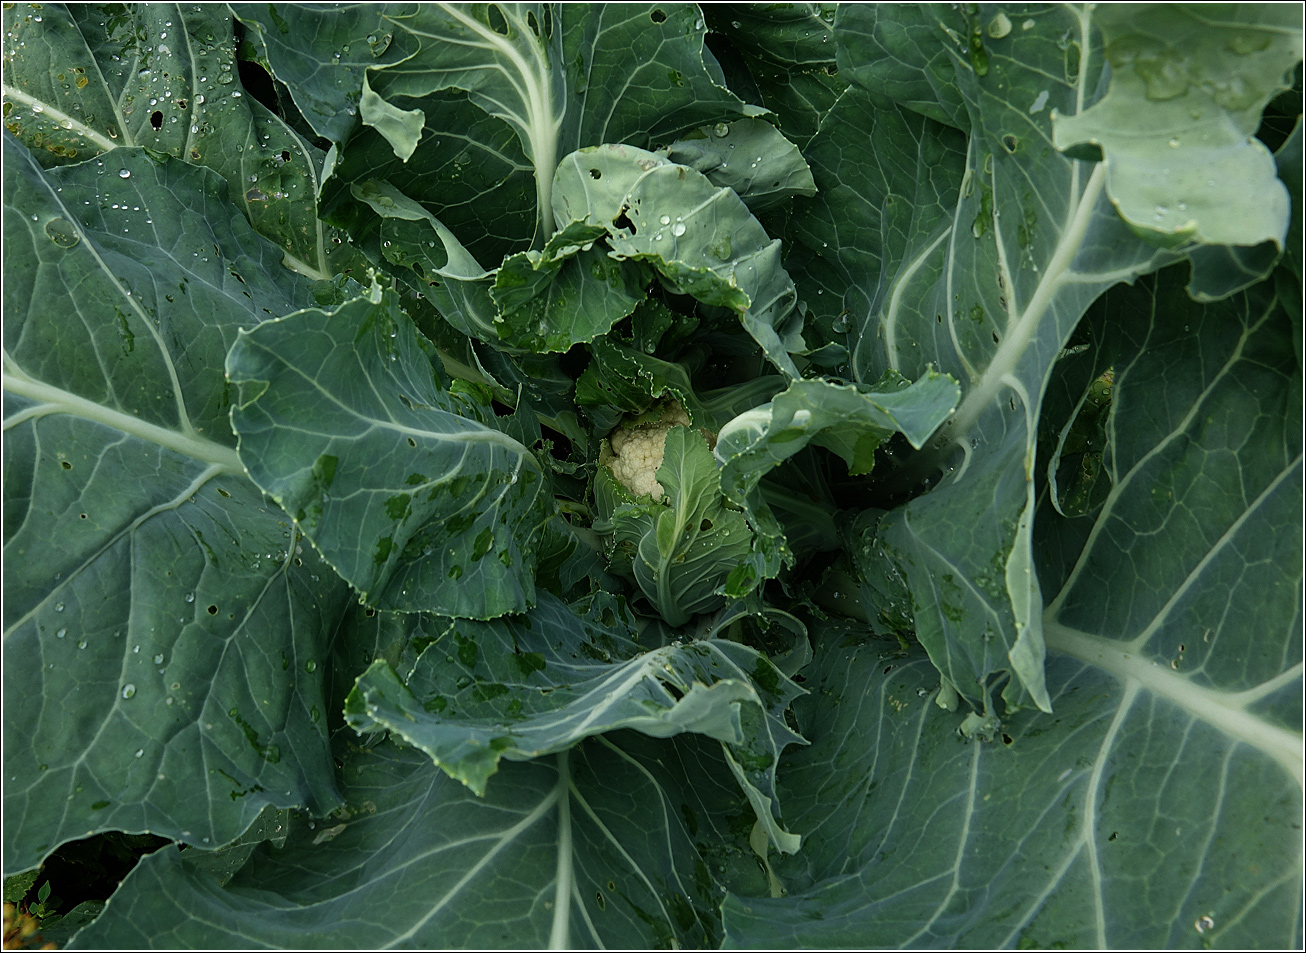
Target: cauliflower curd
{"points": [[634, 451]]}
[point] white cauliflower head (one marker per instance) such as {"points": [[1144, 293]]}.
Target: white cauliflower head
{"points": [[634, 450]]}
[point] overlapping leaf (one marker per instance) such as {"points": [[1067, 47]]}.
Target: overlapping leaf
{"points": [[541, 70], [1188, 85], [83, 80], [169, 641], [615, 842], [992, 280], [1162, 798], [415, 495], [537, 684]]}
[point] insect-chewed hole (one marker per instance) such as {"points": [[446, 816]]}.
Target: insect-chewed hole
{"points": [[497, 23], [595, 174], [156, 120], [213, 610], [658, 16]]}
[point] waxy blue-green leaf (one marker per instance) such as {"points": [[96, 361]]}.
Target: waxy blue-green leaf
{"points": [[542, 69], [418, 504], [1188, 84], [525, 686], [1163, 797], [569, 293], [995, 275], [701, 239], [616, 842], [748, 156], [1147, 815], [81, 81], [163, 623], [788, 50], [846, 419]]}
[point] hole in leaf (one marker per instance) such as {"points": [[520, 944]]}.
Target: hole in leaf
{"points": [[1010, 143], [888, 669], [65, 464], [84, 517], [156, 120], [595, 174], [996, 339], [497, 23], [1007, 739], [213, 610], [412, 443], [704, 526], [548, 21], [533, 23], [658, 16]]}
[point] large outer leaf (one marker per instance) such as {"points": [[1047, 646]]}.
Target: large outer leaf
{"points": [[86, 79], [162, 625], [1160, 805], [617, 843], [540, 683], [545, 70], [344, 421], [1188, 84], [994, 279], [1135, 821]]}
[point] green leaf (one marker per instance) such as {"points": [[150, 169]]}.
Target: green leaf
{"points": [[702, 239], [80, 83], [683, 549], [542, 70], [1161, 811], [416, 502], [163, 628], [614, 842], [996, 273], [532, 685], [1188, 84], [788, 51], [568, 294], [748, 156], [1170, 777], [849, 420]]}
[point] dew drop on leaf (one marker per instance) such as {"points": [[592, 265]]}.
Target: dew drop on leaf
{"points": [[128, 690]]}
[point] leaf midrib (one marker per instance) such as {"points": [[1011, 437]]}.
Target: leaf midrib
{"points": [[1224, 711]]}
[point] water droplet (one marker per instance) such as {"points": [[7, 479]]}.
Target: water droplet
{"points": [[61, 633], [124, 173], [665, 220], [1174, 142], [310, 666], [158, 659], [128, 690], [721, 130], [678, 229], [140, 752], [190, 597]]}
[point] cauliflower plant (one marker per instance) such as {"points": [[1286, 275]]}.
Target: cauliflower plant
{"points": [[634, 450]]}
